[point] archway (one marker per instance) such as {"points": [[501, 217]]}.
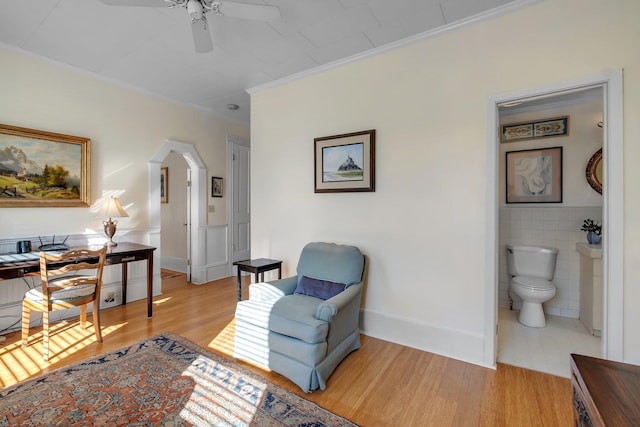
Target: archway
{"points": [[198, 200]]}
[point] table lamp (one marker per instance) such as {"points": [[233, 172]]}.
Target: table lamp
{"points": [[111, 208]]}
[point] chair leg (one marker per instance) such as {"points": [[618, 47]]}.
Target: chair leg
{"points": [[26, 312], [96, 321], [45, 335], [83, 316]]}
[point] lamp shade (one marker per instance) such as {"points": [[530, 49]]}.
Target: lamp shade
{"points": [[111, 208]]}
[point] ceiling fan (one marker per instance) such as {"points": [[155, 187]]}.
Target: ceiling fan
{"points": [[196, 9]]}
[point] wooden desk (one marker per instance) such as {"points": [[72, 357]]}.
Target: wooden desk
{"points": [[18, 265], [256, 266], [605, 393]]}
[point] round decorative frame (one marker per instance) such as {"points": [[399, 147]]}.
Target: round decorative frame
{"points": [[593, 178]]}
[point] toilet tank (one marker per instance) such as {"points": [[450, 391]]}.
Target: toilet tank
{"points": [[531, 261]]}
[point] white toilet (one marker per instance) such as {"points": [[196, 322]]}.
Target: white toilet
{"points": [[531, 269]]}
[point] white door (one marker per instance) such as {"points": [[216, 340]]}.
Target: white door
{"points": [[188, 224], [241, 207]]}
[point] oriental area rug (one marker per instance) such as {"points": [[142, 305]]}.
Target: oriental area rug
{"points": [[165, 380]]}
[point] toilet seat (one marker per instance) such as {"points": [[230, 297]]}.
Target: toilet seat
{"points": [[533, 283]]}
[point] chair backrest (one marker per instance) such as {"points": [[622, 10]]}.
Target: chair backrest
{"points": [[329, 261], [54, 267]]}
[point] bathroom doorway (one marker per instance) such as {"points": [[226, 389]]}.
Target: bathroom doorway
{"points": [[555, 225], [608, 90]]}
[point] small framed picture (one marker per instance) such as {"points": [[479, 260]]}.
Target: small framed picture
{"points": [[534, 176], [164, 185], [557, 126], [216, 186]]}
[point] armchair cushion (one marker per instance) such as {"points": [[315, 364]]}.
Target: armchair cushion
{"points": [[323, 289]]}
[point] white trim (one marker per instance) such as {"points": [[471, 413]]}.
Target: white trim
{"points": [[453, 343], [491, 239], [613, 209], [613, 219], [493, 13]]}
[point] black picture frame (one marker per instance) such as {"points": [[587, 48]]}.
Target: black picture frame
{"points": [[345, 163], [216, 186], [534, 176]]}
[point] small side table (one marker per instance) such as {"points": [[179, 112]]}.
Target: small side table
{"points": [[256, 266]]}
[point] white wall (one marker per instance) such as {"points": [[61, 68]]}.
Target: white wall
{"points": [[126, 129], [423, 228]]}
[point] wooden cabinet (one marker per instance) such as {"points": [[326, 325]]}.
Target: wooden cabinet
{"points": [[605, 393]]}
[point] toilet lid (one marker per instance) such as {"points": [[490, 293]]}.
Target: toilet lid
{"points": [[533, 282]]}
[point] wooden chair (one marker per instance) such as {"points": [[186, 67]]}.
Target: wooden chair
{"points": [[71, 279]]}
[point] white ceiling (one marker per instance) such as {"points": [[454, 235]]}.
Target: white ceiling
{"points": [[151, 49]]}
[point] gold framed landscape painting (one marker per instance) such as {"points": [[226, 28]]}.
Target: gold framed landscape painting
{"points": [[43, 169]]}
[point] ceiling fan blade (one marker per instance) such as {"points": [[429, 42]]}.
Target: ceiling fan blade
{"points": [[142, 3], [201, 36], [258, 12]]}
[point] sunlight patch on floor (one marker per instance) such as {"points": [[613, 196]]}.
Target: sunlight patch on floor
{"points": [[224, 341], [65, 338]]}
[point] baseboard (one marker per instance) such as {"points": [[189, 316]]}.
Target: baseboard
{"points": [[456, 344]]}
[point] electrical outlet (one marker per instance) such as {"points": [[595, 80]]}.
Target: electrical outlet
{"points": [[109, 297]]}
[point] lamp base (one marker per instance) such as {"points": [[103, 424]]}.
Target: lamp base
{"points": [[110, 230]]}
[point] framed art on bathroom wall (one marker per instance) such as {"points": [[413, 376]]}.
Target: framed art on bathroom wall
{"points": [[557, 126], [534, 176]]}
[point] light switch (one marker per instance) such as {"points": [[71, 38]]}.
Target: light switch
{"points": [[212, 208]]}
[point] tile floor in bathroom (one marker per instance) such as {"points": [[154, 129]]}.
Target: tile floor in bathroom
{"points": [[543, 349]]}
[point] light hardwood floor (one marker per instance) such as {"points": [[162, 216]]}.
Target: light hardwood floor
{"points": [[381, 384]]}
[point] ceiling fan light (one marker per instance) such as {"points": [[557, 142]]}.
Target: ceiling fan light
{"points": [[195, 10]]}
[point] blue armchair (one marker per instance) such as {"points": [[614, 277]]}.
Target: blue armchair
{"points": [[303, 326]]}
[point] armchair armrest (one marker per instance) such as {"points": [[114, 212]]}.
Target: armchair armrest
{"points": [[264, 292], [271, 291], [328, 309], [287, 285]]}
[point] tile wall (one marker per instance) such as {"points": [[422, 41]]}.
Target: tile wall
{"points": [[558, 227]]}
